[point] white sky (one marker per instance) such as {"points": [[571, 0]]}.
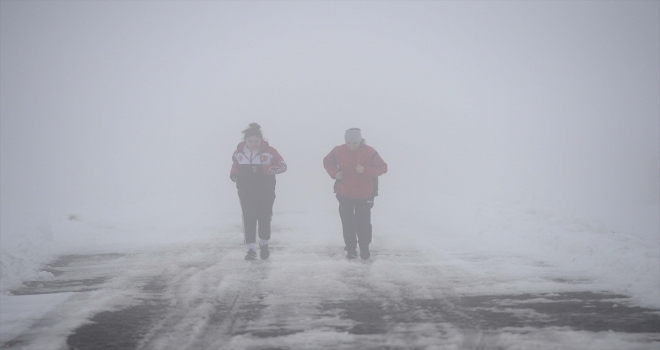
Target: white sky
{"points": [[109, 103]]}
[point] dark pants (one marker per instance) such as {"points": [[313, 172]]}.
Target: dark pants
{"points": [[355, 220], [257, 208]]}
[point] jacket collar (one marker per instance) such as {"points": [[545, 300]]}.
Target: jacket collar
{"points": [[264, 146], [361, 148]]}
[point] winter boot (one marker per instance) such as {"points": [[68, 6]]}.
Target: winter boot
{"points": [[364, 252], [264, 253], [352, 254], [251, 255]]}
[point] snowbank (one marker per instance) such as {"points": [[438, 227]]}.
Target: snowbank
{"points": [[536, 244], [24, 248], [29, 243]]}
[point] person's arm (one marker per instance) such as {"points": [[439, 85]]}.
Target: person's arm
{"points": [[278, 165], [330, 164], [376, 166], [233, 173]]}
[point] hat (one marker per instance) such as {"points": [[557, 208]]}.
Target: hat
{"points": [[353, 135]]}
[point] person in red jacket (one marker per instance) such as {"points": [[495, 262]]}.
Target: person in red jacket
{"points": [[355, 168], [255, 164]]}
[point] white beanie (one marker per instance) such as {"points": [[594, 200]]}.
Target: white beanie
{"points": [[353, 135]]}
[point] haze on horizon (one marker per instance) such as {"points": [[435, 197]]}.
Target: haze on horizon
{"points": [[108, 105]]}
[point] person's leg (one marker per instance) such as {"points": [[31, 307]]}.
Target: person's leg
{"points": [[265, 214], [347, 215], [264, 217], [249, 208], [363, 225]]}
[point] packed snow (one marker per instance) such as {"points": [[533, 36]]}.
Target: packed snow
{"points": [[492, 248]]}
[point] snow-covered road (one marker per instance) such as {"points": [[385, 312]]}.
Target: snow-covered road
{"points": [[203, 295]]}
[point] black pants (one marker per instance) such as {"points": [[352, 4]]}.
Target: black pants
{"points": [[355, 220], [257, 208]]}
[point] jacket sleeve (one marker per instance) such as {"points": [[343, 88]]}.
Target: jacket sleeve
{"points": [[233, 173], [376, 167], [330, 164], [278, 165]]}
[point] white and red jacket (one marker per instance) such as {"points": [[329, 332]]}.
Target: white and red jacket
{"points": [[256, 169], [353, 184]]}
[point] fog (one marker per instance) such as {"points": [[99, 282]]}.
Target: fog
{"points": [[132, 109]]}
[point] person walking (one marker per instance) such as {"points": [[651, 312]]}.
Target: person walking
{"points": [[355, 168], [255, 164]]}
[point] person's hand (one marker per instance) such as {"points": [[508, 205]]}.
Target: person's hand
{"points": [[233, 178], [339, 175], [359, 169]]}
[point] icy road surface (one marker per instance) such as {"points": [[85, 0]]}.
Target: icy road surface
{"points": [[204, 295]]}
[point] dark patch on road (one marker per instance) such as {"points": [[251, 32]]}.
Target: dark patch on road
{"points": [[14, 343], [277, 330], [49, 287], [240, 317], [370, 317], [72, 273], [156, 285], [251, 310], [84, 259], [116, 330], [122, 329], [580, 311]]}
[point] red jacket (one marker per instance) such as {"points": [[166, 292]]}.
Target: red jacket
{"points": [[354, 185], [256, 169]]}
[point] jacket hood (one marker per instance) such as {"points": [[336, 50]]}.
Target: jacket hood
{"points": [[264, 145]]}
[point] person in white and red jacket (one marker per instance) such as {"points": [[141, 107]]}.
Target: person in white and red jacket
{"points": [[255, 164], [355, 167]]}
